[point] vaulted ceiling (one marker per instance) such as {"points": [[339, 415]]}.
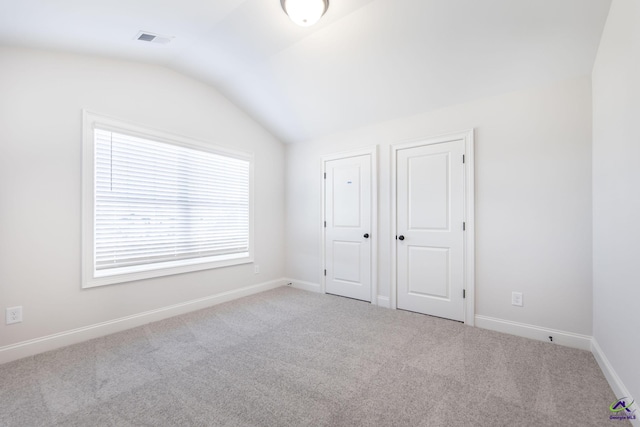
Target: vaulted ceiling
{"points": [[366, 61]]}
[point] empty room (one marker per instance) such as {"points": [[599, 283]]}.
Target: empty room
{"points": [[319, 213]]}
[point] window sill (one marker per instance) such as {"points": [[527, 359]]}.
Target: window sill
{"points": [[130, 274]]}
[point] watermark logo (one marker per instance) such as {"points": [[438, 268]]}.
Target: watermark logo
{"points": [[622, 409]]}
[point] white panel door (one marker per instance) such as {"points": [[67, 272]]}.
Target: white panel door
{"points": [[430, 239], [348, 227]]}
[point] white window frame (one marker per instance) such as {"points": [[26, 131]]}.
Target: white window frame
{"points": [[89, 279]]}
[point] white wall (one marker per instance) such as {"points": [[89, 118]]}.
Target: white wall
{"points": [[533, 195], [533, 200], [42, 95], [616, 192]]}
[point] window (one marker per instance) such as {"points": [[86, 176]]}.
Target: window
{"points": [[157, 204]]}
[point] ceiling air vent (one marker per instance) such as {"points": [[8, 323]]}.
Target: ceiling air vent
{"points": [[146, 36]]}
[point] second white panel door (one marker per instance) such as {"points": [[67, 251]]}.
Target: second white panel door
{"points": [[430, 241], [348, 208]]}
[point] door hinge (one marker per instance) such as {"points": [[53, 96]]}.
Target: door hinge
{"points": [[464, 226], [325, 224], [463, 158], [464, 293], [325, 271], [325, 175]]}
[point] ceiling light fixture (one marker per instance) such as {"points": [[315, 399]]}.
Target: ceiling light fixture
{"points": [[305, 12]]}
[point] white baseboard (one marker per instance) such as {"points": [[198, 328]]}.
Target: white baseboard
{"points": [[62, 339], [611, 375], [568, 339], [316, 287], [384, 302], [306, 286]]}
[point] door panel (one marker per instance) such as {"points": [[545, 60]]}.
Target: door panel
{"points": [[348, 210], [428, 192], [346, 189], [430, 215], [428, 271], [346, 261]]}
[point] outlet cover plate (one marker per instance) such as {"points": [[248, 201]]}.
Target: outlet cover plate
{"points": [[516, 299], [14, 315]]}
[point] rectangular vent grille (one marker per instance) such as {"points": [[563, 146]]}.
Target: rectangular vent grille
{"points": [[146, 36]]}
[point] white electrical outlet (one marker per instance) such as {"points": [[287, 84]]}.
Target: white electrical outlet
{"points": [[256, 269], [14, 315], [516, 298]]}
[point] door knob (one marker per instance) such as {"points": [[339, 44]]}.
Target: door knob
{"points": [[401, 237], [366, 235]]}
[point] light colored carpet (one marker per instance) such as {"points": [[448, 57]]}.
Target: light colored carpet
{"points": [[293, 358]]}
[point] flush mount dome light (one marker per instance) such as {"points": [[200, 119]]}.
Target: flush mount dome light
{"points": [[305, 12]]}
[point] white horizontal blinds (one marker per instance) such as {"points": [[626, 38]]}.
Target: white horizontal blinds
{"points": [[157, 203]]}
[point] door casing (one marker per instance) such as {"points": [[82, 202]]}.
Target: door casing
{"points": [[469, 200]]}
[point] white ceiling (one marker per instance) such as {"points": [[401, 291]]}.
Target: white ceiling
{"points": [[366, 61]]}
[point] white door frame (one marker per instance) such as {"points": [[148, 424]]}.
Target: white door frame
{"points": [[373, 152], [469, 206]]}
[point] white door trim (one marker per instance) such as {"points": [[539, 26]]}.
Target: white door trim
{"points": [[373, 152], [469, 209]]}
